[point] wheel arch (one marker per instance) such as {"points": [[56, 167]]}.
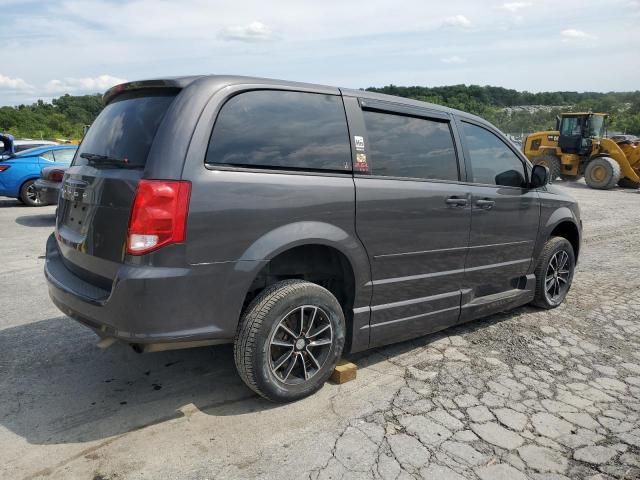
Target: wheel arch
{"points": [[568, 229], [563, 223], [21, 183], [318, 252]]}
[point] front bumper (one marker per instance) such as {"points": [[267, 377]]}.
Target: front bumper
{"points": [[149, 305]]}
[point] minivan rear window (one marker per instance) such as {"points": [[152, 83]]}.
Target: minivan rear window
{"points": [[282, 130], [125, 129]]}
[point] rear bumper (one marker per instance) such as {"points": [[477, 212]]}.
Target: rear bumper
{"points": [[47, 191], [150, 305]]}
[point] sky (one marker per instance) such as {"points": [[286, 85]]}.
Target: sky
{"points": [[53, 47]]}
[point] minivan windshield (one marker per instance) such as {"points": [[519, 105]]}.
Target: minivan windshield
{"points": [[125, 129]]}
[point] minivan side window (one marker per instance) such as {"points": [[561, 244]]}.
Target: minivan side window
{"points": [[402, 146], [282, 129], [492, 162]]}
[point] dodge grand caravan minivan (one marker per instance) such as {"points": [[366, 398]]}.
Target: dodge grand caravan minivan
{"points": [[298, 222]]}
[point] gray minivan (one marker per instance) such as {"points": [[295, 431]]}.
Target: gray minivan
{"points": [[298, 222]]}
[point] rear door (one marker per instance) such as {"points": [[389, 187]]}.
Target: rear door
{"points": [[504, 221], [412, 215], [100, 185], [21, 169]]}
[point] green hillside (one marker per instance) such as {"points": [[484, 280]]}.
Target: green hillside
{"points": [[512, 111], [496, 104], [65, 117]]}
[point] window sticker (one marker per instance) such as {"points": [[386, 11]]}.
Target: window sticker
{"points": [[359, 141], [361, 162]]}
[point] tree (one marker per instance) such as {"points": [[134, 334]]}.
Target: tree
{"points": [[492, 103]]}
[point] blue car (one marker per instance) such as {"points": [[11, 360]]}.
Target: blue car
{"points": [[19, 171]]}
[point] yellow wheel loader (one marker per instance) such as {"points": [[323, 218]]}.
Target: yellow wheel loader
{"points": [[578, 147]]}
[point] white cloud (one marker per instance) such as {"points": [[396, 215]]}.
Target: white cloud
{"points": [[513, 7], [139, 39], [8, 83], [253, 32], [457, 21], [454, 59], [573, 34], [97, 84]]}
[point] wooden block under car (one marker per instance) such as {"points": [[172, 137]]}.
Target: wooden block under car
{"points": [[344, 372]]}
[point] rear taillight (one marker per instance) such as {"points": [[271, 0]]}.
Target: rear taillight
{"points": [[4, 167], [55, 175], [158, 215]]}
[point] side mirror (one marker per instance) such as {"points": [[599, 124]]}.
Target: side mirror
{"points": [[539, 176], [510, 178]]}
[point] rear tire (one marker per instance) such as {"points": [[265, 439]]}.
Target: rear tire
{"points": [[602, 173], [289, 340], [552, 163], [554, 273], [624, 182], [28, 194]]}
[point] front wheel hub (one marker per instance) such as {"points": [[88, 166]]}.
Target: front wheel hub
{"points": [[558, 276]]}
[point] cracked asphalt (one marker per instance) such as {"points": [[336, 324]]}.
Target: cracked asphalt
{"points": [[544, 395]]}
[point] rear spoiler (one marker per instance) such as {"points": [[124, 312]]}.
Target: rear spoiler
{"points": [[177, 83]]}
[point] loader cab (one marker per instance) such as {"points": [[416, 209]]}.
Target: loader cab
{"points": [[579, 130]]}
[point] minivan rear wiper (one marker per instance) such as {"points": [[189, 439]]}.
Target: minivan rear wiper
{"points": [[107, 160]]}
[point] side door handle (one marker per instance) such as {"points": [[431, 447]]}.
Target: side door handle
{"points": [[485, 203], [456, 201]]}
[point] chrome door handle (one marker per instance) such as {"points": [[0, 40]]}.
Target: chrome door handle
{"points": [[456, 201], [485, 203]]}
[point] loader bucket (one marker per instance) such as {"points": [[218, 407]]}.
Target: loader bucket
{"points": [[627, 156]]}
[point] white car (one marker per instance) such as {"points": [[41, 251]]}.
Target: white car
{"points": [[22, 145]]}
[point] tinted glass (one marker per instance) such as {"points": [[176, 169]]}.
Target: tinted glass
{"points": [[126, 128], [27, 152], [65, 155], [402, 146], [282, 129], [596, 126], [26, 146], [492, 162], [571, 127]]}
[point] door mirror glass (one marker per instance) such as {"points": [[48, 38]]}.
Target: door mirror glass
{"points": [[510, 178], [539, 176]]}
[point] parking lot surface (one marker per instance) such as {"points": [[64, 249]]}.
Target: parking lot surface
{"points": [[525, 394]]}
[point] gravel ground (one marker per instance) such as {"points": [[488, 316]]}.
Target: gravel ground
{"points": [[525, 394]]}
